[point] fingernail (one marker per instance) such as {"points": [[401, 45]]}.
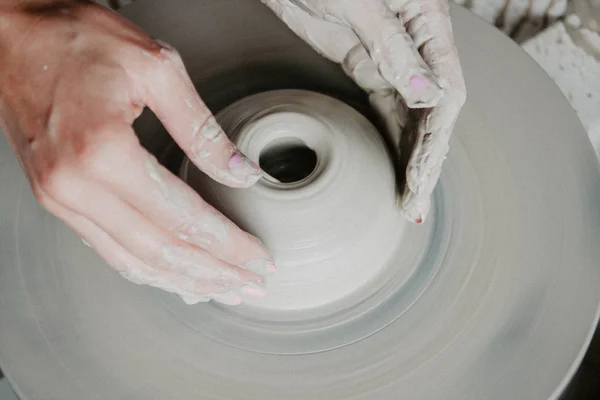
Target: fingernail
{"points": [[415, 209], [244, 169], [422, 91], [418, 82], [263, 267], [254, 290], [269, 177]]}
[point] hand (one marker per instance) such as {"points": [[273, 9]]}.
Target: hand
{"points": [[402, 53], [74, 78]]}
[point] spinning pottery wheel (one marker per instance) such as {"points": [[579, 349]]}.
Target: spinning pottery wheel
{"points": [[494, 297]]}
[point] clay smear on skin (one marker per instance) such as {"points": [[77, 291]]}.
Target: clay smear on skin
{"points": [[155, 174], [208, 223], [297, 262], [182, 257]]}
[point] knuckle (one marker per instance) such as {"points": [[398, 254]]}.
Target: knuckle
{"points": [[162, 58], [166, 49], [95, 161], [101, 157], [167, 55], [85, 164], [59, 179], [42, 196], [53, 184]]}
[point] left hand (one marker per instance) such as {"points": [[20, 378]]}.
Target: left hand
{"points": [[75, 76], [402, 53]]}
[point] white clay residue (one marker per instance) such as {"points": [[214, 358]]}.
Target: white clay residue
{"points": [[185, 261], [329, 237], [196, 125], [207, 224], [203, 153], [208, 129], [176, 200], [212, 131]]}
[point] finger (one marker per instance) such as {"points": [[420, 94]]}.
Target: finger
{"points": [[152, 245], [178, 208], [129, 266], [382, 95], [433, 135], [416, 207], [438, 48], [430, 28], [109, 250], [232, 298], [359, 66], [188, 289], [191, 291], [435, 129], [422, 171], [136, 271], [171, 204], [394, 53], [393, 114], [332, 41], [170, 94], [425, 164]]}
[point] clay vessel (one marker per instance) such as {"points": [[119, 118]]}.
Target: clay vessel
{"points": [[327, 207]]}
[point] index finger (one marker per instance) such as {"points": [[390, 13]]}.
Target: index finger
{"points": [[170, 94], [436, 127]]}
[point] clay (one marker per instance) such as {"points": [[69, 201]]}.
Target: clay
{"points": [[376, 44], [332, 228], [504, 269]]}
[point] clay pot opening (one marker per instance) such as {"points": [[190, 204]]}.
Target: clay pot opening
{"points": [[288, 160]]}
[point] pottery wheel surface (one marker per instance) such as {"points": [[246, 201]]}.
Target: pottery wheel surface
{"points": [[495, 297]]}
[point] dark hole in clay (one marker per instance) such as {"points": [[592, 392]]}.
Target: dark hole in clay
{"points": [[288, 162]]}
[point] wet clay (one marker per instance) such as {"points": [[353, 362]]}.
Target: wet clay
{"points": [[328, 212]]}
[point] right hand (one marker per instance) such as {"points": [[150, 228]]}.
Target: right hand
{"points": [[74, 78], [402, 53]]}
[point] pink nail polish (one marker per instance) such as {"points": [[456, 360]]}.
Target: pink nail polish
{"points": [[243, 168], [418, 82]]}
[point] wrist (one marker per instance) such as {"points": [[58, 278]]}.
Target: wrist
{"points": [[18, 17]]}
